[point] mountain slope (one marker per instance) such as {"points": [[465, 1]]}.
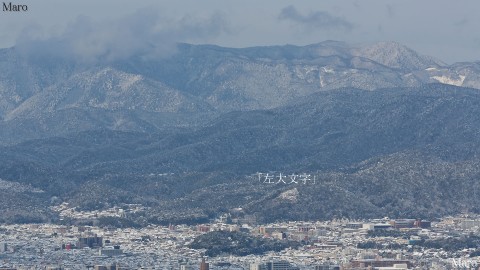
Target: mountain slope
{"points": [[395, 55], [21, 77], [183, 135], [374, 153], [52, 97], [110, 90], [267, 77]]}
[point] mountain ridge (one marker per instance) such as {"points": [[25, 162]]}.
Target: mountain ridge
{"points": [[373, 153], [374, 126], [206, 80]]}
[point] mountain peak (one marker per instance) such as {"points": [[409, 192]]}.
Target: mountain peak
{"points": [[398, 56]]}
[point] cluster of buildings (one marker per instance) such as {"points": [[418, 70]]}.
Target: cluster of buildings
{"points": [[326, 245]]}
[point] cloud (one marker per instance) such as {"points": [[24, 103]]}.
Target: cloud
{"points": [[461, 23], [391, 12], [146, 33], [315, 20]]}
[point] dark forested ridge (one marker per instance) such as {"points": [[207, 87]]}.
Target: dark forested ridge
{"points": [[238, 243], [401, 152]]}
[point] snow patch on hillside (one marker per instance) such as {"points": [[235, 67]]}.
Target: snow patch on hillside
{"points": [[447, 80], [289, 195], [17, 187]]}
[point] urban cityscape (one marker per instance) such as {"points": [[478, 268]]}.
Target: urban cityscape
{"points": [[332, 244]]}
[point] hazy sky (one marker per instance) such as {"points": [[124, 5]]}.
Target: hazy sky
{"points": [[445, 29]]}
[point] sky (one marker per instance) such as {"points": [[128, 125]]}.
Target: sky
{"points": [[445, 29]]}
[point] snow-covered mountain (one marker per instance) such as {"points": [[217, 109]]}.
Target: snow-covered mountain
{"points": [[398, 56], [107, 89], [203, 79]]}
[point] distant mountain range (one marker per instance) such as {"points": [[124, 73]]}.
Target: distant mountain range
{"points": [[48, 97], [386, 131]]}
